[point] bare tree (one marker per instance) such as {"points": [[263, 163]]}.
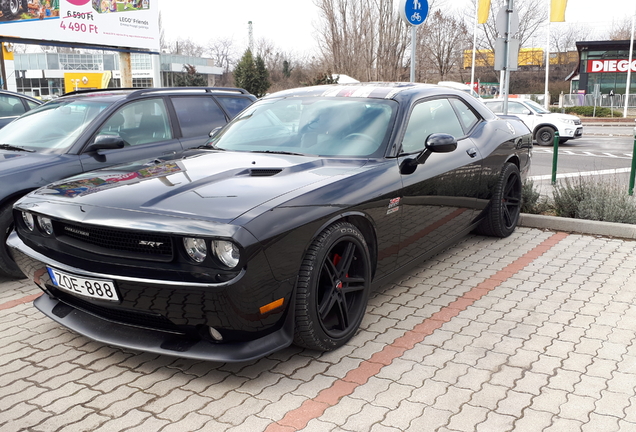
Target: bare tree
{"points": [[362, 38], [223, 52], [621, 30], [563, 40], [185, 47], [443, 43]]}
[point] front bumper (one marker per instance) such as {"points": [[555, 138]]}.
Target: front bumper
{"points": [[124, 336], [152, 327], [572, 132]]}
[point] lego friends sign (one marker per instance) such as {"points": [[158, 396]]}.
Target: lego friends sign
{"points": [[117, 23]]}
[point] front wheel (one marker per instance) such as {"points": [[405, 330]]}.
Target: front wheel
{"points": [[333, 288], [504, 208], [545, 136]]}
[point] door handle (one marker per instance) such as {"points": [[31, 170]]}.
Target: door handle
{"points": [[472, 152]]}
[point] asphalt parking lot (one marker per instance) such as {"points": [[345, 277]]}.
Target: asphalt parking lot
{"points": [[535, 332]]}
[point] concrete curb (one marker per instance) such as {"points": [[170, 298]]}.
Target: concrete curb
{"points": [[580, 226]]}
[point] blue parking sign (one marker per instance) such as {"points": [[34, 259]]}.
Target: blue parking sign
{"points": [[414, 12]]}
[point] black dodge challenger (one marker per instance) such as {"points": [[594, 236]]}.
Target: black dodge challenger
{"points": [[276, 230]]}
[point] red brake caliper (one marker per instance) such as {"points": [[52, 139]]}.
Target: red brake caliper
{"points": [[336, 260]]}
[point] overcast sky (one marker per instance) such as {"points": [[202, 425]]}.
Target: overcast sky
{"points": [[290, 24]]}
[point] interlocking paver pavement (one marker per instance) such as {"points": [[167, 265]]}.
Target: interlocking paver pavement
{"points": [[536, 332]]}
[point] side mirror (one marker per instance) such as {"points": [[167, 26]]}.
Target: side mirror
{"points": [[214, 132], [437, 143], [106, 142]]}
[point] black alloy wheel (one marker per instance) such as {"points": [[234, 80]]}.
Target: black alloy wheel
{"points": [[333, 288], [545, 136], [504, 208]]}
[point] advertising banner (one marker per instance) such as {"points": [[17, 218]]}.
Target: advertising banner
{"points": [[114, 23]]}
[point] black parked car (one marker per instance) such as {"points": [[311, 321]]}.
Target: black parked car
{"points": [[13, 105], [87, 130], [275, 233]]}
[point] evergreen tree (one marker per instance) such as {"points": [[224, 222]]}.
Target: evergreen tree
{"points": [[190, 78], [262, 75], [252, 75]]}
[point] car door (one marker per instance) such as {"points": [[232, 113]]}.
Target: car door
{"points": [[145, 127], [439, 199], [524, 113]]}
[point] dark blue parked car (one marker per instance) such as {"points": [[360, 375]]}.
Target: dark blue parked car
{"points": [[87, 130]]}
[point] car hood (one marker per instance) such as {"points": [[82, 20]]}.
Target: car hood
{"points": [[217, 186]]}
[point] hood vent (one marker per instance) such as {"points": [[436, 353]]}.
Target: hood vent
{"points": [[268, 172]]}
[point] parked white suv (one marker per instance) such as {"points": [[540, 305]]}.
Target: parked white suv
{"points": [[540, 121]]}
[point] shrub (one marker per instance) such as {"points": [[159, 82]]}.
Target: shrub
{"points": [[587, 111], [531, 200], [604, 200]]}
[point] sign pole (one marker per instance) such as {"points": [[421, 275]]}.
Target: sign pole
{"points": [[413, 40], [413, 13]]}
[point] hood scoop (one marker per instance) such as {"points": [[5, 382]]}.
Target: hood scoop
{"points": [[264, 172]]}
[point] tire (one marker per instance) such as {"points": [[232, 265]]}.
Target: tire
{"points": [[505, 206], [545, 136], [10, 8], [333, 288], [8, 267]]}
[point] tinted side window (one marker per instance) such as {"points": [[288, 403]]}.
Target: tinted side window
{"points": [[466, 115], [140, 122], [198, 115], [234, 105], [32, 104], [11, 106], [433, 116]]}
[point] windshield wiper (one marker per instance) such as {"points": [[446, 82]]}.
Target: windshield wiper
{"points": [[15, 148], [277, 152]]}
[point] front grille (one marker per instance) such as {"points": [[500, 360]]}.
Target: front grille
{"points": [[129, 244], [124, 316]]}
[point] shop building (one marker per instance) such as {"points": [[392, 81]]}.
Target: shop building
{"points": [[50, 74], [602, 68]]}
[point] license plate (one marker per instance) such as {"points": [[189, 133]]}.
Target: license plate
{"points": [[103, 289]]}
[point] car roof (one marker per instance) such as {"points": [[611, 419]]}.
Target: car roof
{"points": [[133, 93], [376, 90], [21, 95], [399, 91]]}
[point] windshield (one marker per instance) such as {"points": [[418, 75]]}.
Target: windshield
{"points": [[536, 107], [311, 126], [52, 127]]}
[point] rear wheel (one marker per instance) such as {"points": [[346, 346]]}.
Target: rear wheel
{"points": [[545, 136], [504, 208], [333, 288], [8, 267]]}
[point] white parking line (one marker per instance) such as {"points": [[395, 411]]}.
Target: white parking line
{"points": [[582, 174]]}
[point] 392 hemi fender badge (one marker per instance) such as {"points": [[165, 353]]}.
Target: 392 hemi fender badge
{"points": [[394, 205]]}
